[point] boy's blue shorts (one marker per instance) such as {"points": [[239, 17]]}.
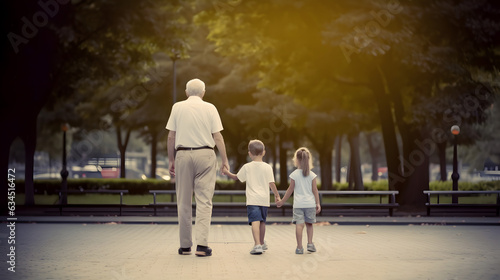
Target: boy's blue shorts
{"points": [[256, 213]]}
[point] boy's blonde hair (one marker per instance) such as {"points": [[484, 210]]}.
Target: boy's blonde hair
{"points": [[303, 159], [256, 147]]}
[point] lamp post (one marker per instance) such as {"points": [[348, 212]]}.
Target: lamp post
{"points": [[455, 130], [64, 171]]}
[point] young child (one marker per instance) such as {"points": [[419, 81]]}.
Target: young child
{"points": [[259, 177], [305, 198]]}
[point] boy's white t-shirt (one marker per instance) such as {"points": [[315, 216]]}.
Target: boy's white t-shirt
{"points": [[303, 196], [257, 175]]}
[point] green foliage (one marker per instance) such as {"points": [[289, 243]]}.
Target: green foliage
{"points": [[383, 185], [465, 186], [134, 186]]}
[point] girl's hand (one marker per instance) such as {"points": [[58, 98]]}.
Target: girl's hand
{"points": [[318, 208]]}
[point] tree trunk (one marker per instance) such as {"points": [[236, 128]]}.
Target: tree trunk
{"points": [[388, 131], [416, 177], [325, 162], [348, 177], [373, 154], [122, 146], [274, 153], [338, 162], [443, 173], [29, 138], [283, 166], [154, 144], [355, 166], [5, 143]]}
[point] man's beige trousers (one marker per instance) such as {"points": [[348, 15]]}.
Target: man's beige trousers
{"points": [[195, 171]]}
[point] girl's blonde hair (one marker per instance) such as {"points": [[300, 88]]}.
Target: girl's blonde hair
{"points": [[302, 159]]}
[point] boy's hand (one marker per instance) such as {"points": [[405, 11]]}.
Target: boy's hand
{"points": [[279, 203], [318, 208]]}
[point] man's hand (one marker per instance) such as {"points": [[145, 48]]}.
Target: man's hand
{"points": [[171, 169], [224, 168]]}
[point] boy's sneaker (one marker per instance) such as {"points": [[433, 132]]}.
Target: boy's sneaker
{"points": [[299, 251], [257, 250], [264, 246], [203, 251], [311, 247], [184, 251]]}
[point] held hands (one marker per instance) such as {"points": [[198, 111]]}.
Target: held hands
{"points": [[224, 170], [279, 202]]}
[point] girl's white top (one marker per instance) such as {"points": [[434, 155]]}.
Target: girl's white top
{"points": [[303, 196]]}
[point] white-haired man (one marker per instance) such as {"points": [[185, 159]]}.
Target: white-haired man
{"points": [[194, 129]]}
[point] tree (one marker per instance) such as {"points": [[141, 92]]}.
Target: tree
{"points": [[292, 60], [410, 52], [77, 45], [400, 52]]}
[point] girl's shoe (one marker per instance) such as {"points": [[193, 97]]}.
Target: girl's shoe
{"points": [[299, 251], [311, 247], [257, 250], [264, 246]]}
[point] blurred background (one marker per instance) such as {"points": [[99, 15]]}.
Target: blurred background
{"points": [[372, 88]]}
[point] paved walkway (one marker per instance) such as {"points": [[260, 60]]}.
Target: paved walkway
{"points": [[121, 250]]}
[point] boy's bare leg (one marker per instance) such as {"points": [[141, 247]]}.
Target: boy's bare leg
{"points": [[309, 228], [262, 232], [299, 228], [256, 232]]}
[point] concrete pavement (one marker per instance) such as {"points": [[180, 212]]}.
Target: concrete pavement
{"points": [[354, 248]]}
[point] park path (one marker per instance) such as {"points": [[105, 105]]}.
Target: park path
{"points": [[149, 251]]}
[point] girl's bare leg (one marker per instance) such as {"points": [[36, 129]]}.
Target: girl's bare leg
{"points": [[299, 228]]}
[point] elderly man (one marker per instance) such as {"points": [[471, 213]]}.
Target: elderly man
{"points": [[194, 129]]}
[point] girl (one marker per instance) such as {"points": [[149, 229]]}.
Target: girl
{"points": [[305, 198]]}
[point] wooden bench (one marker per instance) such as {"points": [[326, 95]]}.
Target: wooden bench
{"points": [[121, 192], [390, 204], [429, 204]]}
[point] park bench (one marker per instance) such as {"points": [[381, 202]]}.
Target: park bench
{"points": [[390, 197], [173, 204], [120, 206], [387, 200], [438, 203]]}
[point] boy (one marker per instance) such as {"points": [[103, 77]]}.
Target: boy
{"points": [[259, 177]]}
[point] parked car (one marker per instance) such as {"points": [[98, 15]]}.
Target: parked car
{"points": [[88, 171]]}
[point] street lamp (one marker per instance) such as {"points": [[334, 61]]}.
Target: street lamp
{"points": [[455, 130], [64, 171]]}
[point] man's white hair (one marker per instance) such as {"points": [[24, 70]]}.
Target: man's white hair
{"points": [[195, 87]]}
